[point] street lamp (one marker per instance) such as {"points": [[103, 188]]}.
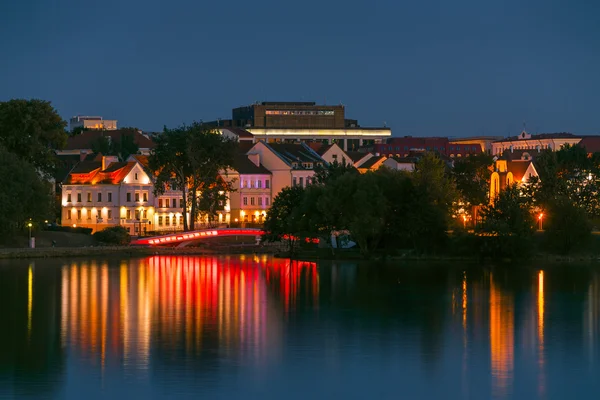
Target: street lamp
{"points": [[540, 218], [464, 221], [30, 225]]}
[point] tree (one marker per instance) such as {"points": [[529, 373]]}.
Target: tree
{"points": [[332, 171], [122, 148], [20, 181], [472, 175], [567, 226], [508, 225], [433, 176], [210, 154], [169, 161], [284, 218], [192, 159], [33, 130], [116, 235]]}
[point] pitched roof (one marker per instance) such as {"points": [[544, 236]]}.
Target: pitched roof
{"points": [[87, 138], [143, 160], [295, 153], [86, 167], [244, 147], [518, 169], [243, 165], [371, 162], [356, 155], [89, 172], [240, 132]]}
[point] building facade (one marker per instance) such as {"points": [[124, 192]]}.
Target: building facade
{"points": [[89, 122], [526, 141]]}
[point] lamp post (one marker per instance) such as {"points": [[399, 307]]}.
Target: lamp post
{"points": [[30, 225], [540, 218], [464, 221]]}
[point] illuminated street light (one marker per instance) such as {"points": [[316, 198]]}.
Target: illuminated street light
{"points": [[30, 225], [465, 221], [540, 218]]}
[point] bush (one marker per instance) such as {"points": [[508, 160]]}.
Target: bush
{"points": [[113, 235], [568, 228], [58, 228]]}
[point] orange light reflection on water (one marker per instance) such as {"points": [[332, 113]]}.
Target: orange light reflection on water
{"points": [[120, 313]]}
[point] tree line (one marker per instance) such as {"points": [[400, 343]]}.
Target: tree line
{"points": [[390, 211]]}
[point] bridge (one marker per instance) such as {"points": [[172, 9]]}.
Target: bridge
{"points": [[181, 239]]}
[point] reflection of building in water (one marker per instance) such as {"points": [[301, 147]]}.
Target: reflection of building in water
{"points": [[176, 303], [501, 339]]}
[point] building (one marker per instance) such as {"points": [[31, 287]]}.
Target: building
{"points": [[331, 153], [508, 172], [526, 141], [289, 164], [485, 142], [96, 123], [401, 147], [84, 143], [253, 195], [295, 122], [102, 192]]}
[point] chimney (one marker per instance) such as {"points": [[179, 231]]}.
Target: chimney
{"points": [[255, 158]]}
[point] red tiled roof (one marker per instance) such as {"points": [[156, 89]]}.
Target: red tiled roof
{"points": [[87, 138], [88, 172]]}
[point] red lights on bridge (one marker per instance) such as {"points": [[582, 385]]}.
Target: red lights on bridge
{"points": [[189, 236]]}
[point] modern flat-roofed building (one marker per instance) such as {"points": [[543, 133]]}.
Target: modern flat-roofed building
{"points": [[295, 122], [89, 122]]}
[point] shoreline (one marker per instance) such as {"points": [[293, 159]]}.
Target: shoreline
{"points": [[126, 251]]}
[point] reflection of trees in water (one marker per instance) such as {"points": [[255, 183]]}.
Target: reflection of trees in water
{"points": [[31, 360]]}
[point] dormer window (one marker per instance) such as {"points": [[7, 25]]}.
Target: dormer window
{"points": [[294, 165]]}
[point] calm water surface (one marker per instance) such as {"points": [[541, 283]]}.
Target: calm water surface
{"points": [[250, 327]]}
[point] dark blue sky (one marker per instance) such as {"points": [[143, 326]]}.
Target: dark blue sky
{"points": [[424, 67]]}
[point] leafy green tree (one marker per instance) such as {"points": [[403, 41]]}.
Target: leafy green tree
{"points": [[432, 175], [169, 160], [210, 154], [284, 218], [192, 159], [33, 130], [567, 226], [508, 225], [25, 196], [122, 148], [472, 175], [332, 171]]}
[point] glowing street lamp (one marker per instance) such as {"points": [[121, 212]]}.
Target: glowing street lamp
{"points": [[540, 218], [465, 221], [30, 225]]}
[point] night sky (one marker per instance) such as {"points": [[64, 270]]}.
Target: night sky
{"points": [[447, 68]]}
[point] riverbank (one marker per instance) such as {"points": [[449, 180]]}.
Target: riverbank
{"points": [[126, 251]]}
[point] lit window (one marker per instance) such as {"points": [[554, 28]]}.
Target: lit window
{"points": [[128, 214], [167, 203], [160, 221], [168, 221], [137, 214]]}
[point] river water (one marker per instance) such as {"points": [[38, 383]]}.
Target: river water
{"points": [[256, 327]]}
